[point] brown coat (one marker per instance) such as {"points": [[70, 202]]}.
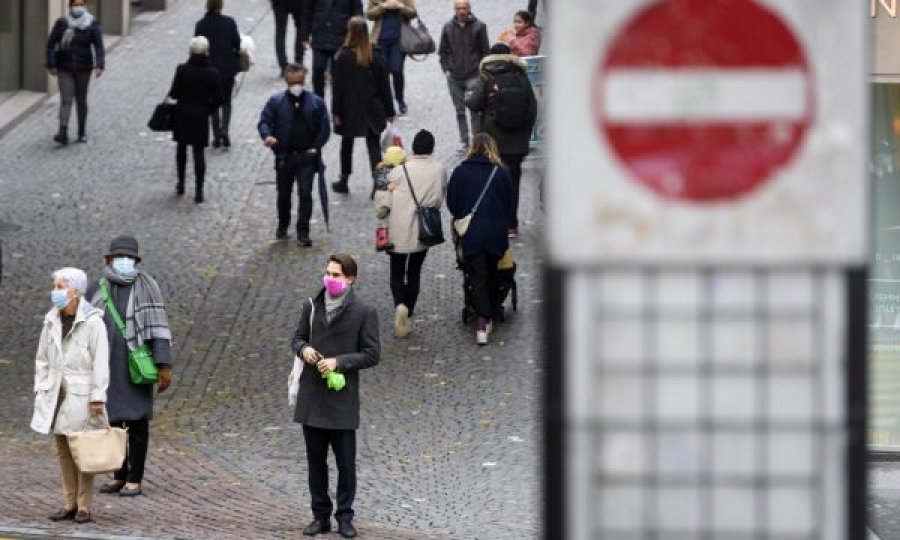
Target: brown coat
{"points": [[374, 12], [429, 179]]}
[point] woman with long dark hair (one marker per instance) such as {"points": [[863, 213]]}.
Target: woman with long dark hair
{"points": [[361, 101]]}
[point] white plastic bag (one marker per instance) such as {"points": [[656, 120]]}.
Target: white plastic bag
{"points": [[246, 52], [391, 137], [294, 381]]}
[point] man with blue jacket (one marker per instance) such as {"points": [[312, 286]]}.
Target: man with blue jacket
{"points": [[295, 125]]}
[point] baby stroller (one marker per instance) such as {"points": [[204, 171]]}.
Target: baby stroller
{"points": [[504, 286]]}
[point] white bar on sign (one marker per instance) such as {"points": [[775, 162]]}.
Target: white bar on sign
{"points": [[703, 95]]}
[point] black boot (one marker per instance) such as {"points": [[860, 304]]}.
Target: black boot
{"points": [[341, 185], [63, 136], [82, 134], [198, 193], [179, 187]]}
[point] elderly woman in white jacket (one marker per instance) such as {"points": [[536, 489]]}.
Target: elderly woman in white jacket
{"points": [[429, 179], [70, 381]]}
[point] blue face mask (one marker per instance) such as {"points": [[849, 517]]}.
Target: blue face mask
{"points": [[59, 297], [124, 266], [77, 11]]}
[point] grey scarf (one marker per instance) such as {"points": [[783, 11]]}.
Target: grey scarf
{"points": [[333, 305], [145, 317], [81, 23]]}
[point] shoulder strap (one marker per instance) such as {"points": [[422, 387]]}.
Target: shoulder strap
{"points": [[483, 191], [312, 315], [411, 190], [104, 293]]}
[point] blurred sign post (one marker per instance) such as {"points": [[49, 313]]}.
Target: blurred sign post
{"points": [[536, 70], [708, 241]]}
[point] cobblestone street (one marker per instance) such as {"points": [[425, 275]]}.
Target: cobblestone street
{"points": [[450, 438]]}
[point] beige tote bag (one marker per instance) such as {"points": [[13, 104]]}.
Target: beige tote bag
{"points": [[461, 225], [98, 450]]}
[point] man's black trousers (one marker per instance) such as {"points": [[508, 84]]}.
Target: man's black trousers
{"points": [[343, 444]]}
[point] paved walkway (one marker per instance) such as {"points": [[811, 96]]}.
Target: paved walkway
{"points": [[450, 438]]}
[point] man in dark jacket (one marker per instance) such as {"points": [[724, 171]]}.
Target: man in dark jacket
{"points": [[224, 55], [505, 98], [464, 43], [281, 9], [295, 125], [136, 298], [337, 333], [324, 29]]}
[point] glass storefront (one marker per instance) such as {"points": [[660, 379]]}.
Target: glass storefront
{"points": [[10, 47]]}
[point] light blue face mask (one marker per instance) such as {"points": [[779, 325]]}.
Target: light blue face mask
{"points": [[125, 267], [77, 11], [59, 297]]}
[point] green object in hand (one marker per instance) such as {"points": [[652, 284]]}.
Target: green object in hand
{"points": [[335, 381]]}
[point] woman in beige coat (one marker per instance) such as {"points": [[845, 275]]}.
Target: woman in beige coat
{"points": [[428, 178], [70, 381]]}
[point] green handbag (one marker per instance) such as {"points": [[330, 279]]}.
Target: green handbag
{"points": [[141, 367]]}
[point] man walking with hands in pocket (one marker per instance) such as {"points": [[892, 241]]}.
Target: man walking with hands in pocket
{"points": [[337, 333]]}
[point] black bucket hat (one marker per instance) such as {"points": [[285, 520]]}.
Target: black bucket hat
{"points": [[124, 246]]}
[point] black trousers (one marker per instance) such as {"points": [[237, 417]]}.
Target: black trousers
{"points": [[513, 163], [281, 9], [322, 61], [73, 85], [482, 270], [221, 117], [138, 440], [343, 444], [373, 145], [406, 272], [199, 163], [288, 170]]}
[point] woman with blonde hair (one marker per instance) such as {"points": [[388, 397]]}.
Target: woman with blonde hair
{"points": [[481, 186], [361, 101]]}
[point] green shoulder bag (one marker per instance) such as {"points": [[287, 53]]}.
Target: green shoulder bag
{"points": [[141, 367]]}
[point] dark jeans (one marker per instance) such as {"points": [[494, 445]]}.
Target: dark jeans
{"points": [[300, 169], [343, 444], [73, 86], [482, 270], [138, 440], [322, 61], [406, 270], [458, 89], [281, 9], [221, 117], [199, 163], [372, 145], [513, 163], [395, 60]]}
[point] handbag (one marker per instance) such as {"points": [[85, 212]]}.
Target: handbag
{"points": [[461, 225], [383, 239], [162, 117], [297, 370], [98, 450], [415, 39], [141, 366], [429, 218]]}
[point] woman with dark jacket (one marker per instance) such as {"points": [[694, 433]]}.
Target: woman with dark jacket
{"points": [[361, 101], [70, 59], [224, 55], [481, 176], [389, 16], [198, 92]]}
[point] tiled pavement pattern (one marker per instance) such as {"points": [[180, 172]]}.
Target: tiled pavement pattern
{"points": [[450, 436]]}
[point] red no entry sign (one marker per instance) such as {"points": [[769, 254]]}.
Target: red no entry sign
{"points": [[703, 100]]}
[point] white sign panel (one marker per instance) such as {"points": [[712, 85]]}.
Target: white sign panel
{"points": [[700, 131]]}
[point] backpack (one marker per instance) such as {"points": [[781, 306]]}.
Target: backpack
{"points": [[508, 99]]}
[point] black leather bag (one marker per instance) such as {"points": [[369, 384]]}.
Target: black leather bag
{"points": [[431, 232], [161, 119], [415, 39]]}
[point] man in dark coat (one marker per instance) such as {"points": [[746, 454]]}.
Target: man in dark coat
{"points": [[224, 55], [295, 125], [511, 128], [464, 43], [337, 333], [281, 9], [198, 92], [324, 29], [136, 297]]}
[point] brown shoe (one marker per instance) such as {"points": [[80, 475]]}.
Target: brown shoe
{"points": [[63, 514], [83, 516]]}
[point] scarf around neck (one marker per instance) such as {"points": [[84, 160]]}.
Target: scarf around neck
{"points": [[334, 305], [145, 317], [81, 23]]}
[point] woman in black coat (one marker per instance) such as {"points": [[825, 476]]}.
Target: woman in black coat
{"points": [[198, 92], [361, 101], [481, 175], [224, 54]]}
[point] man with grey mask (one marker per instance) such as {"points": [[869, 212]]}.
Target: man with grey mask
{"points": [[295, 125]]}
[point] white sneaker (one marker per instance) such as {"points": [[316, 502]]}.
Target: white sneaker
{"points": [[481, 337], [401, 321]]}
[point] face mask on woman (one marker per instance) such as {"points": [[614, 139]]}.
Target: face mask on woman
{"points": [[335, 286], [124, 266], [77, 11], [59, 297]]}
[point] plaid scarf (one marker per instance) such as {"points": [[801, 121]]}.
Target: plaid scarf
{"points": [[145, 317]]}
